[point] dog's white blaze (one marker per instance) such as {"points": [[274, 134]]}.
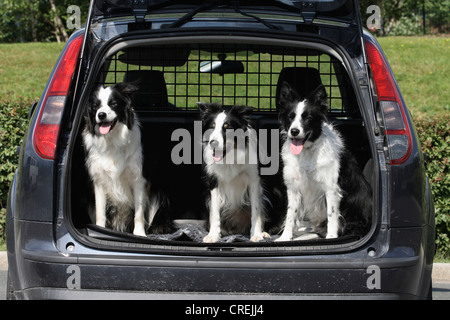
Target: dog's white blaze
{"points": [[312, 183], [296, 124], [238, 185], [217, 133], [114, 163], [103, 95]]}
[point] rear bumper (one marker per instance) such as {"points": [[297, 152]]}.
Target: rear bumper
{"points": [[131, 278], [63, 294], [40, 271]]}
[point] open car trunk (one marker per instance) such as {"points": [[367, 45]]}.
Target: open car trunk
{"points": [[172, 77]]}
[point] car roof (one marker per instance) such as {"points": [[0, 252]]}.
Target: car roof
{"points": [[344, 11]]}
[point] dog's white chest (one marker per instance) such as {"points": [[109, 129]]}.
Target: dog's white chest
{"points": [[234, 181], [312, 173], [299, 173], [115, 162]]}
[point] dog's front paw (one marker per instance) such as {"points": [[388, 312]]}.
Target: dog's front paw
{"points": [[211, 238], [260, 236], [332, 235], [101, 223], [283, 238], [139, 231]]}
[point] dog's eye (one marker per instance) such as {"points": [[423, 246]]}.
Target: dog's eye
{"points": [[225, 125], [306, 116], [213, 125], [292, 116]]}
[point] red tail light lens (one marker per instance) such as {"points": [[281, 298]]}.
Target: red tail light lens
{"points": [[46, 133], [397, 131]]}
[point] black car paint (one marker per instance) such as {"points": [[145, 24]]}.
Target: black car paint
{"points": [[42, 248]]}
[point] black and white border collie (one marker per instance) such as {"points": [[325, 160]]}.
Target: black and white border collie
{"points": [[324, 184], [114, 160], [236, 204]]}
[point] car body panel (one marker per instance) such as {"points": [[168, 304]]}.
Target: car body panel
{"points": [[49, 259]]}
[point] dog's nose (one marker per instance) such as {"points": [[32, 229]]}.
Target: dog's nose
{"points": [[102, 115], [295, 132], [214, 143]]}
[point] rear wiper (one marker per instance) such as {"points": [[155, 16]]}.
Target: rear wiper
{"points": [[269, 25], [210, 4], [188, 17]]}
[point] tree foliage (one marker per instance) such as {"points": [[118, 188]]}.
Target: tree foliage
{"points": [[37, 20], [45, 20], [408, 15]]}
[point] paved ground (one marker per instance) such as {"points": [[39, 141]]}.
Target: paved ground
{"points": [[3, 261], [441, 290], [2, 285], [441, 279]]}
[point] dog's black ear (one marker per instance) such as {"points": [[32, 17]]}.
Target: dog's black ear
{"points": [[202, 107], [247, 111], [130, 118], [207, 108], [319, 98], [89, 114], [126, 88], [90, 125], [287, 94], [242, 111]]}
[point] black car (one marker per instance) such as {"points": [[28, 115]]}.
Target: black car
{"points": [[233, 53]]}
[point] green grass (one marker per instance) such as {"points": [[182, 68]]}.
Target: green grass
{"points": [[421, 66], [441, 260], [25, 69]]}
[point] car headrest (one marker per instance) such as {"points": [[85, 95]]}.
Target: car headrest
{"points": [[152, 90], [303, 80]]}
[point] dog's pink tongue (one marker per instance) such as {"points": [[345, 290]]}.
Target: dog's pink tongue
{"points": [[217, 157], [105, 127], [296, 146]]}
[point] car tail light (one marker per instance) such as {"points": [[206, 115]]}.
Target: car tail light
{"points": [[46, 132], [397, 131]]}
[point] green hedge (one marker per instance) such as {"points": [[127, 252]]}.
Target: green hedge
{"points": [[434, 136], [13, 122]]}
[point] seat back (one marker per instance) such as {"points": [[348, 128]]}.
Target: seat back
{"points": [[303, 80], [152, 90]]}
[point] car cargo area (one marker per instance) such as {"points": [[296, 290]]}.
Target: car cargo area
{"points": [[172, 78]]}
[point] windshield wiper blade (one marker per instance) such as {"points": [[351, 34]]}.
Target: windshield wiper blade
{"points": [[267, 24], [188, 17], [210, 4]]}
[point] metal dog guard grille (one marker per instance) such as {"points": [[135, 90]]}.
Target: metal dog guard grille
{"points": [[254, 86]]}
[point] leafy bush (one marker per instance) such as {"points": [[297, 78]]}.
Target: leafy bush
{"points": [[407, 26], [434, 136], [13, 123]]}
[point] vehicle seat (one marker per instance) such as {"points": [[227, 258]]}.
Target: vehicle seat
{"points": [[368, 172], [152, 90], [304, 80]]}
